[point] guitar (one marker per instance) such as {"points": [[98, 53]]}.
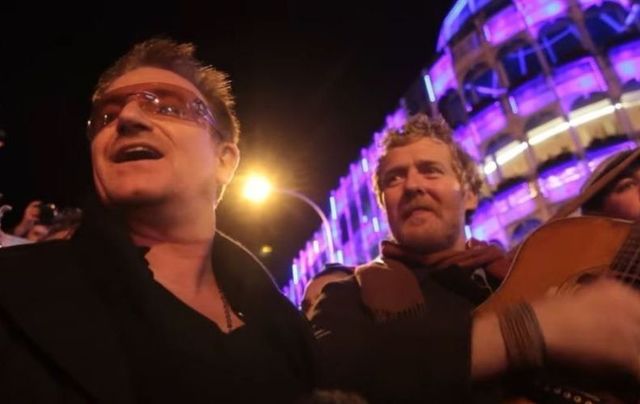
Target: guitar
{"points": [[560, 256]]}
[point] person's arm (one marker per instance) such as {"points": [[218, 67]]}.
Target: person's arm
{"points": [[29, 219], [596, 328], [488, 354]]}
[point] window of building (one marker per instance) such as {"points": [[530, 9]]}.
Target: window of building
{"points": [[531, 97], [498, 143], [503, 25], [365, 199], [539, 11], [482, 86], [560, 42], [355, 217], [547, 133], [512, 159], [561, 176], [374, 250], [514, 199], [344, 230], [442, 76], [610, 23], [625, 59], [520, 62], [489, 121], [452, 109], [594, 117], [464, 136], [578, 79]]}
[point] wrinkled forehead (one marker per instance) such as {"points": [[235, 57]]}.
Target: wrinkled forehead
{"points": [[424, 149], [143, 75]]}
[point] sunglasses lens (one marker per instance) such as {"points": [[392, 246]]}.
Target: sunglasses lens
{"points": [[165, 101], [171, 105]]}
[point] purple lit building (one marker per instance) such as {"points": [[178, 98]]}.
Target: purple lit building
{"points": [[537, 91]]}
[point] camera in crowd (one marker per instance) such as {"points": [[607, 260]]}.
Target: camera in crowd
{"points": [[60, 223], [48, 213]]}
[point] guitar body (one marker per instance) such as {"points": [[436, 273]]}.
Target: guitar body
{"points": [[556, 254], [556, 257]]}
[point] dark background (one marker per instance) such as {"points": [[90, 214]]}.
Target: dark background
{"points": [[313, 82]]}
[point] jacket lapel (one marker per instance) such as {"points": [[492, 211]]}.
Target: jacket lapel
{"points": [[47, 295]]}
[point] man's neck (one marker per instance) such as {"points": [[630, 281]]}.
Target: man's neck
{"points": [[458, 245], [180, 243]]}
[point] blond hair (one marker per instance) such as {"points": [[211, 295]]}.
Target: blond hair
{"points": [[421, 126]]}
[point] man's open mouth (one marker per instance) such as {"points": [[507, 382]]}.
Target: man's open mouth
{"points": [[136, 153]]}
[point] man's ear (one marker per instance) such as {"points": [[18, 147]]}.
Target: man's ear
{"points": [[228, 159], [470, 200]]}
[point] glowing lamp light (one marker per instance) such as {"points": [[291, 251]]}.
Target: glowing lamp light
{"points": [[266, 250], [257, 188]]}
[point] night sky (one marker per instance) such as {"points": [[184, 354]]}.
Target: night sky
{"points": [[313, 81]]}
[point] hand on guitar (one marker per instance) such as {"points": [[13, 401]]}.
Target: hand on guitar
{"points": [[597, 327]]}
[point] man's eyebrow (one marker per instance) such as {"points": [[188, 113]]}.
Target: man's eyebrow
{"points": [[394, 169], [426, 161]]}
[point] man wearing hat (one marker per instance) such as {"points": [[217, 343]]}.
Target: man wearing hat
{"points": [[620, 198]]}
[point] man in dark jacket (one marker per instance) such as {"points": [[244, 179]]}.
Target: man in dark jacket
{"points": [[403, 329], [147, 302]]}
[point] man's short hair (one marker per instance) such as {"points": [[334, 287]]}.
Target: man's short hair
{"points": [[421, 126], [329, 269], [179, 58]]}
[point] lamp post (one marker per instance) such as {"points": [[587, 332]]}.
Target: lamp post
{"points": [[258, 189]]}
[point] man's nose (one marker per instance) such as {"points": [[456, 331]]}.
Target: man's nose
{"points": [[132, 119], [415, 182]]}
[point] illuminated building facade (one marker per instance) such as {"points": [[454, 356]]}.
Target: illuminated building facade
{"points": [[537, 91]]}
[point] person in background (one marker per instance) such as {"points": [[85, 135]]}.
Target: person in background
{"points": [[313, 289], [64, 225], [30, 218], [621, 198], [404, 329]]}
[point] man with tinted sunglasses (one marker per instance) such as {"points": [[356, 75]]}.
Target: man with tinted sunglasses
{"points": [[147, 302]]}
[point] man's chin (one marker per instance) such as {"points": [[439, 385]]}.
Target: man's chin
{"points": [[133, 198], [426, 243]]}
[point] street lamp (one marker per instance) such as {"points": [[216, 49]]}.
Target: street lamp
{"points": [[258, 188]]}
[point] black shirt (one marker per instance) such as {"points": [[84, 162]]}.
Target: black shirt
{"points": [[175, 354]]}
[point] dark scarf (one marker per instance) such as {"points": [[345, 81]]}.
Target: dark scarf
{"points": [[390, 286]]}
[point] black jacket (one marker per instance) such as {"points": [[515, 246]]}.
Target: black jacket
{"points": [[423, 358], [57, 343]]}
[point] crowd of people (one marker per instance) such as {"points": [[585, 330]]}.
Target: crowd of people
{"points": [[139, 298], [40, 222]]}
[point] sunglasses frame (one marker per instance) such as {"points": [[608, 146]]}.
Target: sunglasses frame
{"points": [[149, 98]]}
